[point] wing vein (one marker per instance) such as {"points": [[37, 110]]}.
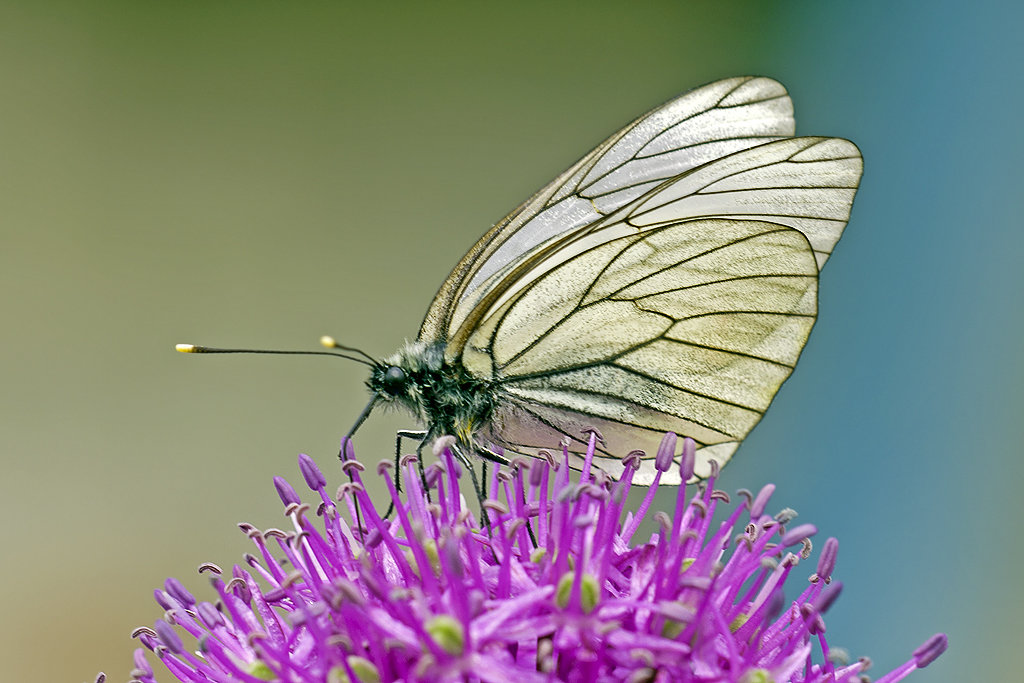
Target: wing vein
{"points": [[601, 394], [680, 122]]}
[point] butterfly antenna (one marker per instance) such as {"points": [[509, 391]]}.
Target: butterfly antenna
{"points": [[193, 348], [332, 343]]}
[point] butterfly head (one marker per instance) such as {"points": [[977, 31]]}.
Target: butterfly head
{"points": [[440, 393], [394, 381], [402, 377]]}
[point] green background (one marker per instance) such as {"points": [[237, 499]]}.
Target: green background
{"points": [[261, 173]]}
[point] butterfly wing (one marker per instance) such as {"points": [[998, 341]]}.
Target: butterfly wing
{"points": [[667, 281], [806, 183], [689, 327], [707, 123]]}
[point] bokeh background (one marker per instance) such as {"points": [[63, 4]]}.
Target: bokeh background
{"points": [[261, 173]]}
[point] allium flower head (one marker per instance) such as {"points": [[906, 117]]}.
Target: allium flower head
{"points": [[554, 585]]}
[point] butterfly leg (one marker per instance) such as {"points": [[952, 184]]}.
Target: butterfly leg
{"points": [[467, 465], [488, 455], [420, 436], [483, 478], [343, 457]]}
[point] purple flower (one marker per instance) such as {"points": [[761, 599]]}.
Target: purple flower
{"points": [[555, 586]]}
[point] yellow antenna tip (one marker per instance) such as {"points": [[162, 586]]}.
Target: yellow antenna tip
{"points": [[185, 348], [328, 341]]}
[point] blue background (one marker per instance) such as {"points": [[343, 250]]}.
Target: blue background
{"points": [[253, 173]]}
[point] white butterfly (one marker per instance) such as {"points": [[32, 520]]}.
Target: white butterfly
{"points": [[666, 282]]}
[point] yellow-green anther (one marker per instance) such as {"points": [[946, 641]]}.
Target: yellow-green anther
{"points": [[564, 589], [260, 670], [738, 622], [538, 554], [447, 632], [757, 676], [671, 629], [364, 670], [590, 592], [687, 563], [430, 548]]}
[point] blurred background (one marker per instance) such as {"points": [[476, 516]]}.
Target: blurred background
{"points": [[261, 173]]}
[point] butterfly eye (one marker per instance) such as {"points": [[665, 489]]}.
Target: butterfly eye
{"points": [[395, 380]]}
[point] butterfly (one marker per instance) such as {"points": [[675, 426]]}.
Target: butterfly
{"points": [[667, 281]]}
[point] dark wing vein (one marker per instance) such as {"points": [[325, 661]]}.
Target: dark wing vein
{"points": [[524, 405], [611, 296], [548, 423], [680, 122]]}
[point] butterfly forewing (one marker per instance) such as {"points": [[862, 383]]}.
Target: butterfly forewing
{"points": [[705, 123]]}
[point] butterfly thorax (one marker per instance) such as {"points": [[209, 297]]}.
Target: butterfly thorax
{"points": [[440, 393]]}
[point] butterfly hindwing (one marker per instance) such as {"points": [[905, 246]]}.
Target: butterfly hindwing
{"points": [[805, 183], [690, 327]]}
